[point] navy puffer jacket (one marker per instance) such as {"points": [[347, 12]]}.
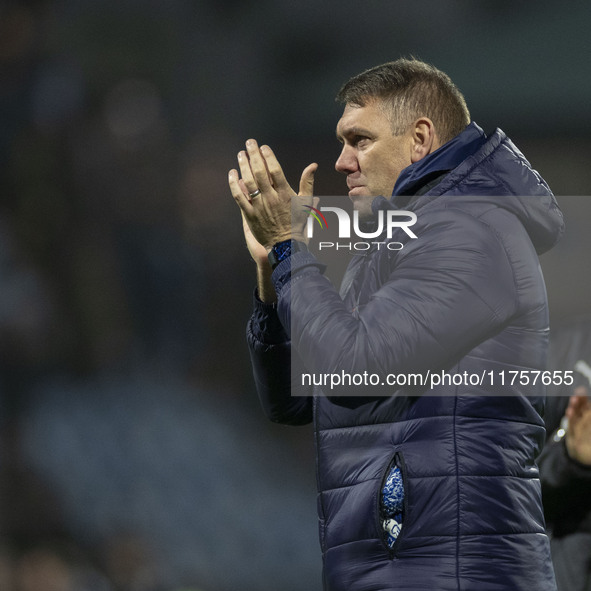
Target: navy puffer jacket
{"points": [[466, 296]]}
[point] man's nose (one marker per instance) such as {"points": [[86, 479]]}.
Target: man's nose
{"points": [[346, 162]]}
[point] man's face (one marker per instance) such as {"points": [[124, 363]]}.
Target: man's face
{"points": [[372, 158]]}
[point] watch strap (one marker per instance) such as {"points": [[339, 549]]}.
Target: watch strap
{"points": [[283, 250]]}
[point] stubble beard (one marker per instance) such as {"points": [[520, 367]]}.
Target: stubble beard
{"points": [[362, 204]]}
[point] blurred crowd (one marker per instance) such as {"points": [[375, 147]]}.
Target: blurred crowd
{"points": [[131, 457]]}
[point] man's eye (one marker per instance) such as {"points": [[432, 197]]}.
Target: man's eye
{"points": [[360, 141]]}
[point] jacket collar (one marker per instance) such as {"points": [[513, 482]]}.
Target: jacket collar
{"points": [[444, 159]]}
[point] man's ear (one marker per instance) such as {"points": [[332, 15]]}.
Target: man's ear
{"points": [[424, 139]]}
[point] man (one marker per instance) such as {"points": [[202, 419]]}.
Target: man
{"points": [[431, 488], [565, 463]]}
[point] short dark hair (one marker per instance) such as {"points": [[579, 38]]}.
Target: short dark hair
{"points": [[410, 89]]}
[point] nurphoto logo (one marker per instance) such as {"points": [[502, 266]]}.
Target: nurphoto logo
{"points": [[387, 221]]}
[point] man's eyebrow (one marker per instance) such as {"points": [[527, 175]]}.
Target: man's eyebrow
{"points": [[352, 131]]}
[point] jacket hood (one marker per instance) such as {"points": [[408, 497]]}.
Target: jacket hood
{"points": [[444, 159], [490, 170]]}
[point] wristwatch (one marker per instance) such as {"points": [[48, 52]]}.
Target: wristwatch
{"points": [[284, 249]]}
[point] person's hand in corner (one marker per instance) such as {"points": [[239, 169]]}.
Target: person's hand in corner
{"points": [[578, 434]]}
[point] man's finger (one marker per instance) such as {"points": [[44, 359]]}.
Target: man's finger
{"points": [[307, 180], [246, 173], [258, 166], [238, 192], [246, 192], [275, 171]]}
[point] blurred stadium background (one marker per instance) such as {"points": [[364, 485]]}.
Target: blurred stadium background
{"points": [[133, 454]]}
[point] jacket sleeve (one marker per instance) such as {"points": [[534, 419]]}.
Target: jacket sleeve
{"points": [[444, 293], [271, 357], [566, 484]]}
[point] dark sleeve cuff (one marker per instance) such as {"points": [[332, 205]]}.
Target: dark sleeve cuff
{"points": [[293, 265], [576, 469], [265, 324]]}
